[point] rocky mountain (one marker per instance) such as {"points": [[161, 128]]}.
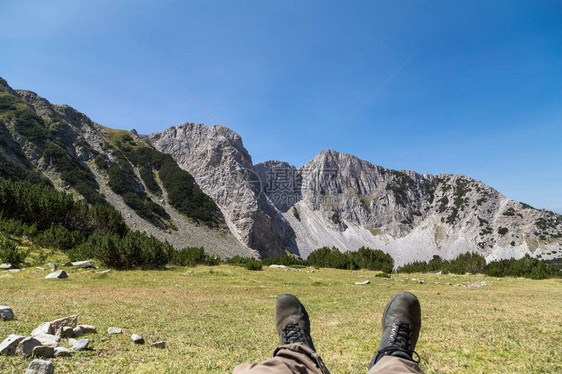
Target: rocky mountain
{"points": [[195, 185], [339, 200], [55, 144]]}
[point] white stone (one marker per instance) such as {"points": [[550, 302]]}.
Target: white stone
{"points": [[40, 367], [9, 345], [114, 330], [57, 274], [137, 339]]}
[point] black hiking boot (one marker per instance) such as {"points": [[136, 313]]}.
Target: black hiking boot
{"points": [[291, 321], [401, 324]]}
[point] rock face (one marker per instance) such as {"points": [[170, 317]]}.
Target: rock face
{"points": [[223, 168]]}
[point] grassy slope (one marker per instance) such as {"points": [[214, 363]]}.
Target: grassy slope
{"points": [[214, 318]]}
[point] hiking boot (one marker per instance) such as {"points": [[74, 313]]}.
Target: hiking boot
{"points": [[401, 324], [291, 321]]}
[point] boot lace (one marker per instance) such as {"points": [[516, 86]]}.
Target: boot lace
{"points": [[293, 333], [400, 340]]}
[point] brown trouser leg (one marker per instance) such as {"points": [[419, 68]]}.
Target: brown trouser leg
{"points": [[288, 359], [299, 359], [391, 365]]}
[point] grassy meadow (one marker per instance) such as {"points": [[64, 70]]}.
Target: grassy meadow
{"points": [[213, 318]]}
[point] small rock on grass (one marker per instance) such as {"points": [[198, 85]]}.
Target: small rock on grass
{"points": [[25, 347], [83, 264], [114, 330], [158, 345], [44, 328], [78, 331], [137, 339], [9, 345], [6, 312], [70, 321], [62, 352], [365, 282], [40, 367], [81, 345], [65, 332], [88, 329], [42, 351], [48, 340], [57, 275], [5, 266]]}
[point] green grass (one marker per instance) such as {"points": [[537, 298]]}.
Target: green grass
{"points": [[214, 318]]}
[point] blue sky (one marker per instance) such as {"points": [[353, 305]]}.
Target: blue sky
{"points": [[480, 93]]}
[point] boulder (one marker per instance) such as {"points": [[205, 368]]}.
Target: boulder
{"points": [[40, 367], [65, 332], [9, 345], [5, 266], [25, 346], [137, 339], [81, 345], [57, 275], [6, 312], [62, 352], [42, 351], [70, 321], [159, 345], [44, 328], [48, 340], [83, 264], [114, 330]]}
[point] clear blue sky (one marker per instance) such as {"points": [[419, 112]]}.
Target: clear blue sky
{"points": [[481, 94]]}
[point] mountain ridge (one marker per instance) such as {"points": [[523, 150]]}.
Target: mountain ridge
{"points": [[267, 208]]}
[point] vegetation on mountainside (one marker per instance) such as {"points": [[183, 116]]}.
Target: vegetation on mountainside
{"points": [[183, 192]]}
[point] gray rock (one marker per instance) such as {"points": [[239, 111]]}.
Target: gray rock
{"points": [[83, 264], [70, 321], [81, 345], [52, 266], [78, 331], [43, 351], [364, 282], [6, 312], [14, 270], [161, 344], [67, 264], [57, 275], [44, 328], [40, 367], [137, 339], [88, 329], [106, 271], [25, 346], [5, 266], [9, 345], [48, 340], [62, 352], [114, 330], [65, 332]]}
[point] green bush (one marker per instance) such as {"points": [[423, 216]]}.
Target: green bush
{"points": [[134, 250], [10, 253], [192, 256], [252, 264]]}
